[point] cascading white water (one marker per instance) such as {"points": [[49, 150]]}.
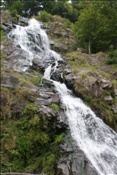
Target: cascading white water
{"points": [[33, 42], [91, 134], [96, 139]]}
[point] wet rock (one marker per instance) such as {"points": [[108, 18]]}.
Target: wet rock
{"points": [[17, 107], [105, 84], [48, 84], [114, 108], [43, 26], [36, 62], [73, 160], [33, 92], [4, 28], [63, 169], [7, 27], [115, 91], [47, 96], [50, 113], [23, 21], [62, 123], [45, 102], [58, 73], [9, 81], [109, 100], [38, 65], [70, 80], [67, 71], [52, 43]]}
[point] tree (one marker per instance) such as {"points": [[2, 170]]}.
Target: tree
{"points": [[30, 7], [96, 26], [16, 7], [85, 28], [65, 9]]}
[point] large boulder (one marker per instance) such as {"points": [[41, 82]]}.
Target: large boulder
{"points": [[108, 99]]}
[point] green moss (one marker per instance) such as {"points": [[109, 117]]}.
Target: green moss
{"points": [[88, 99], [35, 72], [78, 57], [31, 107], [106, 110], [22, 93], [78, 62], [1, 57], [23, 81], [2, 35], [73, 65], [114, 82], [36, 80], [54, 106]]}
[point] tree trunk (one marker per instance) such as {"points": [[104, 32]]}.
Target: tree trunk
{"points": [[89, 46]]}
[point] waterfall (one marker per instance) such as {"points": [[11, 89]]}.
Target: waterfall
{"points": [[33, 42], [97, 140]]}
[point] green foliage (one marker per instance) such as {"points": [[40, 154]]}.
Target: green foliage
{"points": [[112, 57], [36, 80], [114, 82], [54, 106], [2, 35], [30, 109], [35, 142], [48, 163], [59, 138], [67, 23], [23, 93], [16, 8], [44, 16], [65, 9], [77, 60], [88, 99], [24, 148], [95, 29]]}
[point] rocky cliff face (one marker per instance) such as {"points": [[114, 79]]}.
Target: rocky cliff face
{"points": [[34, 127]]}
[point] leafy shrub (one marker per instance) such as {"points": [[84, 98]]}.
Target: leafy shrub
{"points": [[67, 23], [44, 16], [30, 109], [16, 8], [54, 106], [112, 57]]}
